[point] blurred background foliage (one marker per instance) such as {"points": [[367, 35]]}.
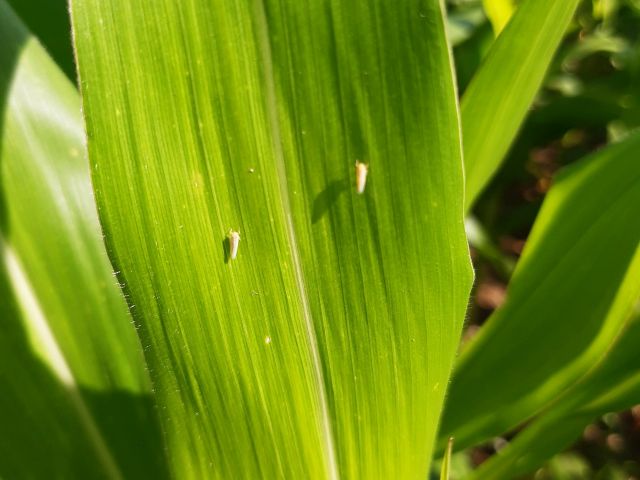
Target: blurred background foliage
{"points": [[591, 97]]}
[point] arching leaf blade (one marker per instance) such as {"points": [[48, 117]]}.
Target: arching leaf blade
{"points": [[611, 386], [557, 301], [497, 100]]}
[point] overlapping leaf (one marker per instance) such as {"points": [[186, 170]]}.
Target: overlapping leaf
{"points": [[75, 395], [568, 300], [613, 384], [500, 94]]}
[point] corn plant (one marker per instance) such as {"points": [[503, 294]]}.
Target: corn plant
{"points": [[237, 248]]}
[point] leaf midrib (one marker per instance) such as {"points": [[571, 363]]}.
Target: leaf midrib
{"points": [[272, 111]]}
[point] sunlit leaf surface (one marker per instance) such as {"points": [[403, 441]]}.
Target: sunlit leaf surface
{"points": [[324, 348]]}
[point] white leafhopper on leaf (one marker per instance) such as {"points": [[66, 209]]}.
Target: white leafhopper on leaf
{"points": [[234, 241], [362, 169]]}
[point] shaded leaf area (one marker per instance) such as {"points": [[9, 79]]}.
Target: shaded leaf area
{"points": [[613, 384], [42, 436], [500, 93], [70, 357], [55, 430], [49, 21], [557, 302], [324, 348]]}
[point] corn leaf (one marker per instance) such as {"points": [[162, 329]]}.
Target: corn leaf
{"points": [[75, 397], [571, 294], [499, 95], [613, 384], [324, 348]]}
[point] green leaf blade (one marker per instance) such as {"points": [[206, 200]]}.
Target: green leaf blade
{"points": [[613, 384], [557, 301], [339, 308], [497, 99]]}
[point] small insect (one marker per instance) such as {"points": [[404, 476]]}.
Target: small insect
{"points": [[361, 176], [234, 241]]}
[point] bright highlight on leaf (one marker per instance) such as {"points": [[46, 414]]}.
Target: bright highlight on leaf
{"points": [[499, 12]]}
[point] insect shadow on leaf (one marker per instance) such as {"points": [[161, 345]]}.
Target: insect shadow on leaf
{"points": [[327, 197], [226, 249]]}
